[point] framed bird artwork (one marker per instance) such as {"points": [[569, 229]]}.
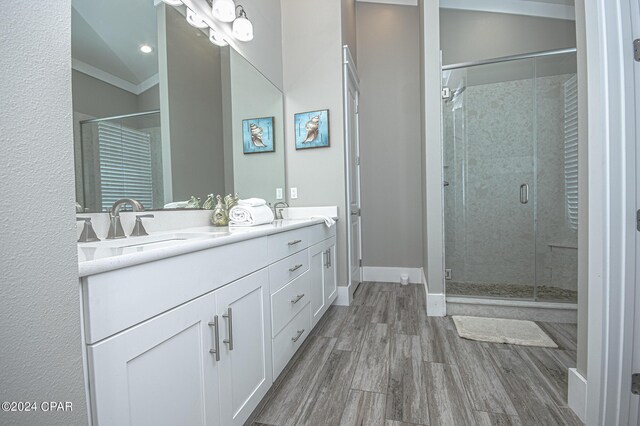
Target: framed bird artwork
{"points": [[312, 129], [257, 135]]}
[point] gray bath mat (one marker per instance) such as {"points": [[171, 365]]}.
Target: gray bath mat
{"points": [[499, 330]]}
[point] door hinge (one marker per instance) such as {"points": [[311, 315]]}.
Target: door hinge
{"points": [[636, 49], [358, 160], [360, 262], [638, 220], [635, 384]]}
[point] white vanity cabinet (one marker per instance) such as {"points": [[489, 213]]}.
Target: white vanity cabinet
{"points": [[322, 271], [199, 338]]}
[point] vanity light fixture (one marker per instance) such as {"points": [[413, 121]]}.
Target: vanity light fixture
{"points": [[195, 20], [146, 49], [216, 38], [242, 26], [223, 10], [173, 2]]}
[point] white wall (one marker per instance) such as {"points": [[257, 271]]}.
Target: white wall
{"points": [[389, 70], [40, 307], [312, 64]]}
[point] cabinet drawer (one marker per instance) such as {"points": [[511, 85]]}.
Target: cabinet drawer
{"points": [[282, 272], [318, 233], [288, 301], [286, 243], [287, 342]]}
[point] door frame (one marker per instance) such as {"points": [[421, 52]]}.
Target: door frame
{"points": [[612, 204], [350, 77]]}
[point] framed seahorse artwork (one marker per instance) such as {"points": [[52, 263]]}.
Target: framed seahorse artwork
{"points": [[257, 135], [312, 129]]}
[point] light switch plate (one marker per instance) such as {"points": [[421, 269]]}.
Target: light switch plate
{"points": [[278, 193], [294, 193]]}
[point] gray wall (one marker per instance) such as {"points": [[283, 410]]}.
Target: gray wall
{"points": [[583, 199], [470, 35], [99, 99], [192, 81], [388, 43], [40, 306], [312, 65]]}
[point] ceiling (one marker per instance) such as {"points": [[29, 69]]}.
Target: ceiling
{"points": [[106, 36]]}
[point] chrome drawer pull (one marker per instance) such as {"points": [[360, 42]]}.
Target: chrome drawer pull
{"points": [[229, 317], [295, 268], [294, 242], [216, 338], [295, 339], [297, 299]]}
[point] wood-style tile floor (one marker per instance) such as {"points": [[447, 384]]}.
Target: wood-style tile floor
{"points": [[382, 361]]}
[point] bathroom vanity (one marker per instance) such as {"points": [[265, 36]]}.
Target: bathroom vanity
{"points": [[194, 329]]}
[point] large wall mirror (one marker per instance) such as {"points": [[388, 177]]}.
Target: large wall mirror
{"points": [[161, 114]]}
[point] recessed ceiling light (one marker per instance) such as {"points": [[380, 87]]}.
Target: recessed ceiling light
{"points": [[146, 49]]}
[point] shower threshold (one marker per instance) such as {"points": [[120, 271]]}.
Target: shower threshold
{"points": [[511, 292]]}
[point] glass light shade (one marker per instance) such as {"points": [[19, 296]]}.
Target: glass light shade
{"points": [[216, 38], [195, 20], [224, 10], [243, 29], [173, 2]]}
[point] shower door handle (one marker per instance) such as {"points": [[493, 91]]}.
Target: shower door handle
{"points": [[524, 193]]}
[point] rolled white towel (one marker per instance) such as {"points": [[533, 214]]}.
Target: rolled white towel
{"points": [[250, 216], [177, 205], [252, 202]]}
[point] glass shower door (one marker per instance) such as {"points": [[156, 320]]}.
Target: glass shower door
{"points": [[489, 171]]}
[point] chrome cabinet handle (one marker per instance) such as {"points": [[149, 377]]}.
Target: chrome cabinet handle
{"points": [[216, 338], [229, 317], [524, 193], [329, 258], [294, 242], [295, 268], [297, 299], [325, 261], [295, 339]]}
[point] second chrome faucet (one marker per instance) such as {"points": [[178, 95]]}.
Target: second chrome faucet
{"points": [[115, 226]]}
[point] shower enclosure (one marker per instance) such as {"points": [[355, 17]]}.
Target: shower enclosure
{"points": [[511, 177]]}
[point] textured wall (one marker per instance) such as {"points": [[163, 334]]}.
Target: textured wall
{"points": [[470, 35], [40, 313], [390, 134], [497, 137], [312, 63]]}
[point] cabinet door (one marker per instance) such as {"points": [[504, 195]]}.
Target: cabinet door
{"points": [[317, 271], [245, 335], [330, 280], [159, 372]]}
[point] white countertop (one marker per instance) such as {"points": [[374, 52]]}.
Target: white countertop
{"points": [[104, 256]]}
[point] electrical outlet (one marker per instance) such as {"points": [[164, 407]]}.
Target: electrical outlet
{"points": [[294, 193], [278, 193], [447, 274]]}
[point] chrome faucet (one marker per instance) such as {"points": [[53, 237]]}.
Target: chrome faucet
{"points": [[278, 212], [115, 227]]}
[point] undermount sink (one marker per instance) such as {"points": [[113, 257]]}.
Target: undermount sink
{"points": [[147, 240]]}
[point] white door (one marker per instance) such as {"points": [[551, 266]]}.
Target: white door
{"points": [[634, 414], [353, 169], [245, 368], [159, 372]]}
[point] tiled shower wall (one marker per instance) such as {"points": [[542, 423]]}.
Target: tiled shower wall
{"points": [[491, 133]]}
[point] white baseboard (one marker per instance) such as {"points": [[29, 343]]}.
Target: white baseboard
{"points": [[344, 296], [436, 302], [577, 397], [390, 274]]}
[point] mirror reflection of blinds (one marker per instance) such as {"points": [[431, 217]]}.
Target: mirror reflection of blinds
{"points": [[125, 165], [571, 150]]}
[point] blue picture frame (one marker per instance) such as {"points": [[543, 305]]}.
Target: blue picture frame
{"points": [[312, 129], [258, 135]]}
